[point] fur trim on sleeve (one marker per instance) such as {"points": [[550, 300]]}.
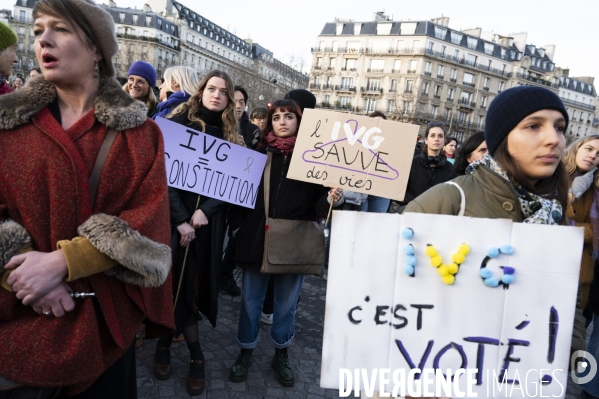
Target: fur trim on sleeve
{"points": [[142, 261], [13, 239]]}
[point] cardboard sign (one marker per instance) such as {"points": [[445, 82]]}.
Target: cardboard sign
{"points": [[209, 166], [355, 152], [379, 317]]}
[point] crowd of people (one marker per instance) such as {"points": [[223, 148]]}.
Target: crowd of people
{"points": [[98, 253]]}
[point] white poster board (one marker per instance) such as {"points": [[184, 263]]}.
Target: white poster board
{"points": [[379, 317]]}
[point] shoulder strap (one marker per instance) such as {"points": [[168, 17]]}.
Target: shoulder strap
{"points": [[267, 183], [94, 178], [463, 200]]}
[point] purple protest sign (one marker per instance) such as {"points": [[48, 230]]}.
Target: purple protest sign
{"points": [[216, 168]]}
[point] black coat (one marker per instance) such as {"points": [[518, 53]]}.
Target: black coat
{"points": [[423, 176], [250, 132], [201, 280], [289, 199]]}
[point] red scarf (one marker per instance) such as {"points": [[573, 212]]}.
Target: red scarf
{"points": [[283, 144]]}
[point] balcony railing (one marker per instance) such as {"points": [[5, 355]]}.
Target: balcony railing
{"points": [[148, 39], [483, 106], [440, 77], [485, 88], [345, 88], [313, 86], [317, 67], [437, 97], [411, 71], [327, 87], [375, 70], [349, 69], [579, 104], [463, 61], [410, 90], [393, 90], [469, 84], [427, 73], [371, 90], [466, 103], [453, 80], [323, 49], [532, 79], [395, 71]]}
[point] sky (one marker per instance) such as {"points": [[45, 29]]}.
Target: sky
{"points": [[289, 29]]}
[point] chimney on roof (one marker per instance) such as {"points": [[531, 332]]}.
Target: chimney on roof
{"points": [[380, 16], [147, 8], [443, 21], [550, 51]]}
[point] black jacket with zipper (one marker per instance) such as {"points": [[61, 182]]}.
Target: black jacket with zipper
{"points": [[424, 176], [289, 199]]}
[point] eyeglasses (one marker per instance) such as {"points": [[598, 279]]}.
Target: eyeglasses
{"points": [[137, 82], [436, 124]]}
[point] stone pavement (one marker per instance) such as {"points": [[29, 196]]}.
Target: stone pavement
{"points": [[220, 351]]}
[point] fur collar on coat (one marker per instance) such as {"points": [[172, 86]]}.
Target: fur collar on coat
{"points": [[113, 107]]}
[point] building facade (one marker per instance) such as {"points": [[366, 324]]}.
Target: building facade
{"points": [[165, 33], [421, 71], [579, 96]]}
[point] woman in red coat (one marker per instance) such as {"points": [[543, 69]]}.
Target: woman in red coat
{"points": [[57, 237]]}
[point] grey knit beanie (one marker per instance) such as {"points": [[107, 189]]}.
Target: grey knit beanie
{"points": [[102, 24], [515, 104]]}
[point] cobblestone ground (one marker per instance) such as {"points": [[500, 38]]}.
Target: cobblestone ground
{"points": [[220, 351]]}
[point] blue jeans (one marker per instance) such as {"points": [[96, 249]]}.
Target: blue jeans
{"points": [[592, 386], [376, 204], [253, 291]]}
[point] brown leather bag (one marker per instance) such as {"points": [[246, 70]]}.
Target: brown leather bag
{"points": [[290, 246]]}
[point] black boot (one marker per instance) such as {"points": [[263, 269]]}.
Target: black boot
{"points": [[280, 363], [239, 369]]}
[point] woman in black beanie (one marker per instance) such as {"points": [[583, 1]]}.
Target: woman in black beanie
{"points": [[521, 178]]}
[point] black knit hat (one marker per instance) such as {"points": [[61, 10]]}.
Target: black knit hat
{"points": [[513, 105], [302, 97]]}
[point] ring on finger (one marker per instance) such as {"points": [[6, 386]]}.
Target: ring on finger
{"points": [[47, 313]]}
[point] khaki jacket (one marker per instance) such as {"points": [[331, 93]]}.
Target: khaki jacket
{"points": [[488, 195]]}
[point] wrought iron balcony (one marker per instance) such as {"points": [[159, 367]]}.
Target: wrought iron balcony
{"points": [[314, 86], [375, 70], [411, 71], [466, 103], [579, 104], [345, 88], [453, 80], [485, 88], [427, 73], [469, 84], [372, 90], [440, 77]]}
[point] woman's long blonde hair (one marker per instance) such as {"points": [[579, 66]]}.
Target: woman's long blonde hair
{"points": [[151, 99], [184, 76], [569, 157], [192, 107]]}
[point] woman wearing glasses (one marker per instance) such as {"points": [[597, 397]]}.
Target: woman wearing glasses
{"points": [[140, 84], [430, 167]]}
